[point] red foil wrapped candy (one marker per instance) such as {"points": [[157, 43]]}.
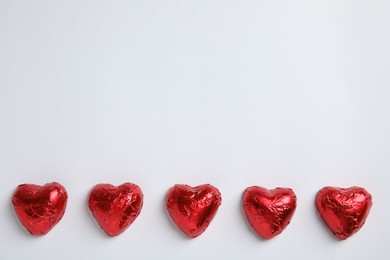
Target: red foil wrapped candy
{"points": [[193, 208], [40, 208], [269, 211], [115, 208], [343, 211]]}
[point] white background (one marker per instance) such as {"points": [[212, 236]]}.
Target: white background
{"points": [[233, 93]]}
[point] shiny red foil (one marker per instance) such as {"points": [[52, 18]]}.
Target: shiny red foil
{"points": [[343, 211], [193, 208], [268, 211], [40, 208], [115, 207]]}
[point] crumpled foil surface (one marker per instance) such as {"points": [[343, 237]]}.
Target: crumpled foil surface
{"points": [[40, 208], [344, 211], [115, 207], [193, 208]]}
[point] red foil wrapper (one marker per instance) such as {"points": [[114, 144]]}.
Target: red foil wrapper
{"points": [[193, 208], [343, 211], [40, 208], [269, 211], [115, 208]]}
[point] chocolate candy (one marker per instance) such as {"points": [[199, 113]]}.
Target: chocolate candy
{"points": [[269, 211], [40, 208], [115, 208], [343, 211], [192, 209]]}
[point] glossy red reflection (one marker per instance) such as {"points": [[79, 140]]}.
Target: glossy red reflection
{"points": [[193, 208], [115, 207], [269, 211], [344, 211], [40, 208]]}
